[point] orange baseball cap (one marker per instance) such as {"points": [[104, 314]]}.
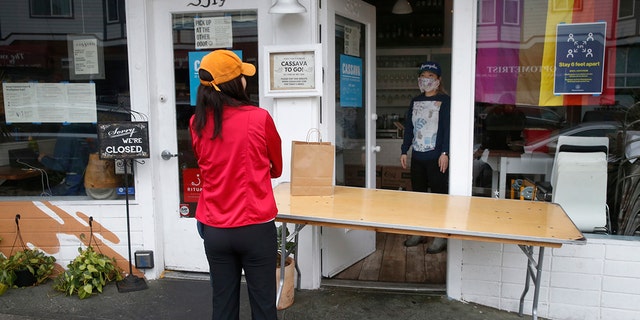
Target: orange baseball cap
{"points": [[224, 65]]}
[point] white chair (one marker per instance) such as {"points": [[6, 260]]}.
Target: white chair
{"points": [[579, 181]]}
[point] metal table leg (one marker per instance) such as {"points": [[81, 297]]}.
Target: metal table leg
{"points": [[283, 248], [531, 265]]}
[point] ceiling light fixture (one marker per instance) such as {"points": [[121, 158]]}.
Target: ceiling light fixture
{"points": [[402, 7], [287, 6]]}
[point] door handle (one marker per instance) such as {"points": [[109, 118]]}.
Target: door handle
{"points": [[166, 154]]}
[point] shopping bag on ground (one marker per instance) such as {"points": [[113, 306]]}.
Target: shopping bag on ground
{"points": [[312, 167]]}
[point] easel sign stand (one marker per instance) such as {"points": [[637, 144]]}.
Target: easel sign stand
{"points": [[131, 282], [125, 141]]}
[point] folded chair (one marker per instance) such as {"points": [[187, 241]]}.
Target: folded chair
{"points": [[579, 181]]}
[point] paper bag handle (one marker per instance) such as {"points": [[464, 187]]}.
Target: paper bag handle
{"points": [[312, 130]]}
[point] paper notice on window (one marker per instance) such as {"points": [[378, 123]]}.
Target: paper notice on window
{"points": [[85, 56], [352, 40], [20, 101], [211, 33], [50, 102]]}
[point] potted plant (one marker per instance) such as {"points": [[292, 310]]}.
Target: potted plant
{"points": [[87, 274], [3, 285], [26, 268], [287, 295]]}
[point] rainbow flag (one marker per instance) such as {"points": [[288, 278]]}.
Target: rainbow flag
{"points": [[516, 56]]}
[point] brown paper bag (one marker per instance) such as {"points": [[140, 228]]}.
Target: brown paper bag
{"points": [[312, 168]]}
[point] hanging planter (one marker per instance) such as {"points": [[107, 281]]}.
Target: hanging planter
{"points": [[27, 267], [87, 274], [24, 278]]}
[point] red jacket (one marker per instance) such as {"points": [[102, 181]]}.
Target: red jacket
{"points": [[237, 168]]}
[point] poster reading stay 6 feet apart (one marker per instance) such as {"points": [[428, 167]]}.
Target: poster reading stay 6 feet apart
{"points": [[580, 50]]}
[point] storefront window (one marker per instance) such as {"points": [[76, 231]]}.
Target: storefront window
{"points": [[550, 69], [60, 79]]}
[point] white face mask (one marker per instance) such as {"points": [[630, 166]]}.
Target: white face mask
{"points": [[428, 84]]}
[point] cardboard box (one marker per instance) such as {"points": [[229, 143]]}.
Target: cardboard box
{"points": [[396, 178]]}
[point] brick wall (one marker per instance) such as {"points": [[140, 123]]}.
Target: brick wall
{"points": [[596, 281]]}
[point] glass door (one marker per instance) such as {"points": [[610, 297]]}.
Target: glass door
{"points": [[349, 51]]}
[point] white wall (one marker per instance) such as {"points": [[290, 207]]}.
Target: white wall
{"points": [[596, 281], [293, 118]]}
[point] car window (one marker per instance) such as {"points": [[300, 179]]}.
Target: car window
{"points": [[594, 133], [550, 115]]}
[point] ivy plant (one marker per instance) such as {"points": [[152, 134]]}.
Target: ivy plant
{"points": [[87, 274], [34, 261]]}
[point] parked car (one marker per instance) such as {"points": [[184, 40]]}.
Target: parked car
{"points": [[542, 117], [536, 117], [585, 129]]}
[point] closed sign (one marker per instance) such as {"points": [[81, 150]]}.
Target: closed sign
{"points": [[123, 140]]}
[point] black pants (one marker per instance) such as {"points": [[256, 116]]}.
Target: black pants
{"points": [[229, 251], [426, 174]]}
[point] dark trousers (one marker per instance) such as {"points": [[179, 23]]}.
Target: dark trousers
{"points": [[229, 251], [426, 174]]}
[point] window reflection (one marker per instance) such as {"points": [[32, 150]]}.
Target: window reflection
{"points": [[519, 116], [60, 78]]}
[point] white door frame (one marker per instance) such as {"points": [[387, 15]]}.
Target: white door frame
{"points": [[182, 247]]}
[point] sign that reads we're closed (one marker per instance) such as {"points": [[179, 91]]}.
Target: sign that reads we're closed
{"points": [[123, 140]]}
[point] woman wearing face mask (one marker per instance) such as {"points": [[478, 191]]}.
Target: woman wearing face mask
{"points": [[426, 133]]}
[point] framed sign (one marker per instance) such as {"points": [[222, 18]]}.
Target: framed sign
{"points": [[293, 71], [123, 140]]}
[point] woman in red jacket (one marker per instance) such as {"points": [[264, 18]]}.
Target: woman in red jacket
{"points": [[239, 151]]}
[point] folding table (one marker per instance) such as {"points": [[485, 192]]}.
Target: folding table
{"points": [[527, 224]]}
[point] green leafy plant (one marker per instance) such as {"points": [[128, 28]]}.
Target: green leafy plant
{"points": [[31, 262], [87, 274], [289, 245], [3, 285]]}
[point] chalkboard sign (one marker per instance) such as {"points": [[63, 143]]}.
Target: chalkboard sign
{"points": [[123, 140]]}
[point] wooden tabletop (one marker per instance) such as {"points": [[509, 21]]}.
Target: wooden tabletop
{"points": [[460, 217], [13, 173]]}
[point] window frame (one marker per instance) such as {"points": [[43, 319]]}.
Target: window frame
{"points": [[505, 15], [633, 10], [481, 18], [51, 15], [112, 8]]}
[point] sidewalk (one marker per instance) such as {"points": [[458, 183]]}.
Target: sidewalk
{"points": [[171, 298]]}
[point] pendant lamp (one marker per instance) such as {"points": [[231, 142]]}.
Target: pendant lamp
{"points": [[287, 6], [402, 7]]}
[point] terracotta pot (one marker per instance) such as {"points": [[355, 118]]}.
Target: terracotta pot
{"points": [[288, 290]]}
